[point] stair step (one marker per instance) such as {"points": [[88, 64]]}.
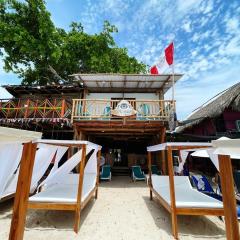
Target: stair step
{"points": [[120, 171]]}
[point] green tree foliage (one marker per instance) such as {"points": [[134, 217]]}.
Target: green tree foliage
{"points": [[40, 53]]}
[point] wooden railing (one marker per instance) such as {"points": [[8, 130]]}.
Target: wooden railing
{"points": [[35, 108], [102, 109]]}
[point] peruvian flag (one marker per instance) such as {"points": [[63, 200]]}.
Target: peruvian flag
{"points": [[165, 60]]}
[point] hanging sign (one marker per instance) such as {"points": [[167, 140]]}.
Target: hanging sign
{"points": [[124, 109]]}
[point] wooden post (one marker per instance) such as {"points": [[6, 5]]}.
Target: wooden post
{"points": [[63, 108], [150, 174], [229, 201], [163, 158], [80, 187], [22, 192], [98, 169], [26, 109], [172, 193]]}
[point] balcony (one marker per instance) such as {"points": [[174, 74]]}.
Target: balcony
{"points": [[106, 110], [25, 109]]}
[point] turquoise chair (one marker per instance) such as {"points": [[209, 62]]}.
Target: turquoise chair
{"points": [[106, 173], [137, 174], [106, 113], [155, 170], [144, 110]]}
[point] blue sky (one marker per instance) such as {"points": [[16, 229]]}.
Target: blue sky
{"points": [[206, 36]]}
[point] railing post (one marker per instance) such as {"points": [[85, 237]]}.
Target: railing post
{"points": [[73, 110], [26, 109], [35, 108], [44, 108], [63, 108]]}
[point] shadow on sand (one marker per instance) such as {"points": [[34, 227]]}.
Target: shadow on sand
{"points": [[43, 220], [123, 182], [6, 208], [197, 226]]}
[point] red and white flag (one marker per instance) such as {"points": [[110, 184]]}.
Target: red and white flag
{"points": [[165, 60], [169, 51]]}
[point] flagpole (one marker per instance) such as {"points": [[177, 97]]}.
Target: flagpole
{"points": [[173, 89]]}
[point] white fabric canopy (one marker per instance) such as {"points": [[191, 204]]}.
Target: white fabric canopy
{"points": [[164, 146], [72, 162], [62, 185], [43, 158], [69, 142], [10, 156], [227, 147], [12, 135]]}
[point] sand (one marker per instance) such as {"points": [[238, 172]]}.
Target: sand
{"points": [[123, 211]]}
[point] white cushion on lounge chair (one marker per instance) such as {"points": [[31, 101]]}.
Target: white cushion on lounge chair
{"points": [[66, 190], [185, 195]]}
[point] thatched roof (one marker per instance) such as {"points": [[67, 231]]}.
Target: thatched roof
{"points": [[214, 107]]}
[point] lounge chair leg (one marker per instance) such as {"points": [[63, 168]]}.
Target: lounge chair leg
{"points": [[151, 195], [174, 225]]}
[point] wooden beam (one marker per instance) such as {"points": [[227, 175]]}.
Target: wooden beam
{"points": [[98, 172], [52, 206], [228, 195], [22, 192], [172, 193], [80, 187], [130, 129], [150, 174], [162, 153], [165, 82]]}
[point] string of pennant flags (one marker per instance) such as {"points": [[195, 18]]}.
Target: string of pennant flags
{"points": [[65, 121]]}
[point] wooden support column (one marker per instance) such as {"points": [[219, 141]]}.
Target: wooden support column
{"points": [[172, 193], [22, 192], [228, 194], [150, 174], [162, 153], [80, 187], [98, 172]]}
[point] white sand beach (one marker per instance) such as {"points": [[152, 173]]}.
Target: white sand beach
{"points": [[123, 211]]}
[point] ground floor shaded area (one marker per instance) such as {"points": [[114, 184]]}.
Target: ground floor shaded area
{"points": [[122, 211]]}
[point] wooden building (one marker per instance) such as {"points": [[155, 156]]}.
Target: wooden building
{"points": [[218, 117], [40, 108], [123, 112]]}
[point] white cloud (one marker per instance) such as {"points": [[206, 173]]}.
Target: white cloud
{"points": [[187, 5], [232, 25], [187, 26]]}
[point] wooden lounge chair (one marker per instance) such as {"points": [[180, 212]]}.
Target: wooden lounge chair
{"points": [[137, 174], [64, 190], [106, 173]]}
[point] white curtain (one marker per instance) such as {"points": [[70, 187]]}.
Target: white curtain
{"points": [[60, 152], [43, 158], [91, 166], [63, 171], [10, 156]]}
